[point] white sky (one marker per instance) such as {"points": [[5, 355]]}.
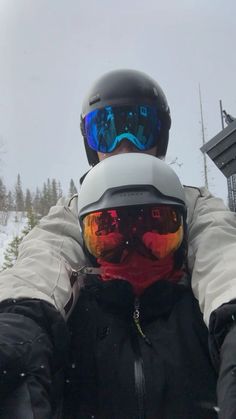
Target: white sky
{"points": [[52, 50]]}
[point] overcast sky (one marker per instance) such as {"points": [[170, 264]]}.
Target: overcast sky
{"points": [[52, 50]]}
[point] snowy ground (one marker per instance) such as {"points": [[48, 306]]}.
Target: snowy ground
{"points": [[15, 224]]}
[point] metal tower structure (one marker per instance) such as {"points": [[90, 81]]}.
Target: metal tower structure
{"points": [[222, 150], [232, 192], [203, 139], [231, 180]]}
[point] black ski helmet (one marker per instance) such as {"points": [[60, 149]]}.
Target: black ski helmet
{"points": [[126, 87]]}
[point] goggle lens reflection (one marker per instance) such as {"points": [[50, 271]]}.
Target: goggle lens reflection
{"points": [[154, 231], [106, 128]]}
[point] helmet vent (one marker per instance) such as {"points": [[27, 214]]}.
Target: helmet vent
{"points": [[155, 91], [94, 99]]}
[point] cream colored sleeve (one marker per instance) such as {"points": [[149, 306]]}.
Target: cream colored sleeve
{"points": [[212, 250], [48, 259]]}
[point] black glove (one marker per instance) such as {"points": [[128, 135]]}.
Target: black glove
{"points": [[223, 351], [29, 359], [226, 388], [25, 354]]}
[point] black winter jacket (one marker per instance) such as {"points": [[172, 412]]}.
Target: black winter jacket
{"points": [[139, 359]]}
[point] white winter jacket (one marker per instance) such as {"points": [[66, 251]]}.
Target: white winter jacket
{"points": [[51, 254]]}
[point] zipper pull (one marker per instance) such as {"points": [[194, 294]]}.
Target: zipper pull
{"points": [[136, 310], [136, 316]]}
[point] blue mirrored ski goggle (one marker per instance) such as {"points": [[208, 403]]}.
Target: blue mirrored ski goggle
{"points": [[105, 128]]}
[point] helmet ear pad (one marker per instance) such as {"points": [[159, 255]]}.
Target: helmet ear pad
{"points": [[92, 155], [163, 141]]}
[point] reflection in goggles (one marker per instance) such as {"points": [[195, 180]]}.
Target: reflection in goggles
{"points": [[154, 231], [106, 128]]}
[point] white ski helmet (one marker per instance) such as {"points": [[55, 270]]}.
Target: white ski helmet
{"points": [[132, 179]]}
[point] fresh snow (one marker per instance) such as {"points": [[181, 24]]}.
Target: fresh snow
{"points": [[15, 224]]}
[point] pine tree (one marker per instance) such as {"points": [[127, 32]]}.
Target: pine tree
{"points": [[44, 200], [49, 193], [3, 204], [37, 207], [59, 189], [32, 221], [11, 253], [19, 196], [54, 192], [72, 189], [10, 202], [3, 196], [28, 201]]}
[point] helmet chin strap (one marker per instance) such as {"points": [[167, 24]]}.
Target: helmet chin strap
{"points": [[86, 270], [90, 270]]}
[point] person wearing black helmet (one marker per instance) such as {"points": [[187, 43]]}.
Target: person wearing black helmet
{"points": [[40, 292], [126, 110], [125, 105], [113, 122]]}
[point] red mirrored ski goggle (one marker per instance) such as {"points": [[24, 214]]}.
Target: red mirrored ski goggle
{"points": [[155, 231]]}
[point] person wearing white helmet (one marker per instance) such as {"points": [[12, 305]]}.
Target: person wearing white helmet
{"points": [[125, 111], [139, 346]]}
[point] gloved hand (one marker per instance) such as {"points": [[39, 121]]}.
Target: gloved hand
{"points": [[226, 388], [33, 347], [25, 357]]}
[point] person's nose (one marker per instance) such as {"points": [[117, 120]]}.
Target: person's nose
{"points": [[126, 147]]}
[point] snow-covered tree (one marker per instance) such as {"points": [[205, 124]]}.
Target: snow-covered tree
{"points": [[10, 201], [3, 204], [36, 204], [11, 253], [54, 192], [44, 200], [59, 190], [72, 188], [3, 196], [49, 192], [19, 196], [37, 207], [28, 201], [32, 221]]}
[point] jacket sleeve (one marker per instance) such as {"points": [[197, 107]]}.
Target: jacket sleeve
{"points": [[33, 349], [222, 345], [49, 257], [212, 250]]}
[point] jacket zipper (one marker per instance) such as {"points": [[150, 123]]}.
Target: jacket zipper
{"points": [[136, 317], [138, 363]]}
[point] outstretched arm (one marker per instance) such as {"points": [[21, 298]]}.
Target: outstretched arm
{"points": [[36, 296], [48, 258], [212, 250]]}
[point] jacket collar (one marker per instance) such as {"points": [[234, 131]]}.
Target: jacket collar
{"points": [[117, 296]]}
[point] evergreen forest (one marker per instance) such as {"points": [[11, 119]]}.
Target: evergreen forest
{"points": [[30, 204]]}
